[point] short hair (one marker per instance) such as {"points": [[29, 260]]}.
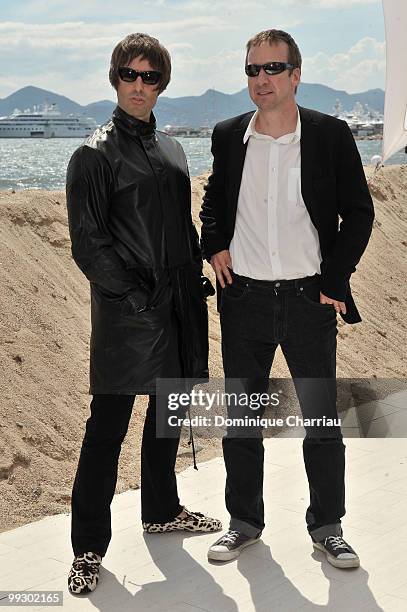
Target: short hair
{"points": [[276, 36], [145, 46]]}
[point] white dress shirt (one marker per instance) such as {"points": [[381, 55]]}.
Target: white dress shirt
{"points": [[274, 236]]}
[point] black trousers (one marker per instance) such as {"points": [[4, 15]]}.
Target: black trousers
{"points": [[256, 317], [96, 475]]}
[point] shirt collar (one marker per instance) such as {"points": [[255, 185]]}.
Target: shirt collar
{"points": [[291, 138]]}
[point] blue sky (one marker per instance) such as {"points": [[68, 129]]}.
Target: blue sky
{"points": [[65, 46]]}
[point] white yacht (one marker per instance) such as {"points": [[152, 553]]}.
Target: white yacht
{"points": [[363, 121], [45, 122], [187, 132]]}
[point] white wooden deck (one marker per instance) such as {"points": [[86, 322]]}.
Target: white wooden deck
{"points": [[281, 573]]}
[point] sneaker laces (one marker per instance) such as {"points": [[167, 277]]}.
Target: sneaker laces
{"points": [[230, 537], [337, 542]]}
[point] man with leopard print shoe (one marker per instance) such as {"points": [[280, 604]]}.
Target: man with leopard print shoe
{"points": [[129, 208]]}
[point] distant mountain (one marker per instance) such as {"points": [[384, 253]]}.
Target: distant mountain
{"points": [[100, 111], [194, 111], [323, 98], [29, 96], [206, 109]]}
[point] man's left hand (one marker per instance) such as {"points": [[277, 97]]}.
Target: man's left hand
{"points": [[339, 306]]}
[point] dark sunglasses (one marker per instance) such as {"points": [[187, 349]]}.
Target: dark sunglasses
{"points": [[253, 70], [149, 77]]}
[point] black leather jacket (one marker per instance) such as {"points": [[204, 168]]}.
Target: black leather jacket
{"points": [[129, 208]]}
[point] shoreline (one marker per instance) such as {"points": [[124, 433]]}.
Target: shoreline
{"points": [[11, 190]]}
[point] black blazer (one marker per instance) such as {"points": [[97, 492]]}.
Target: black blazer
{"points": [[333, 186]]}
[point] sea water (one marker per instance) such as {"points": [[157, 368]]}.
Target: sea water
{"points": [[27, 163]]}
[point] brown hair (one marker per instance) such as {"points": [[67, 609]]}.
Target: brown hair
{"points": [[149, 48], [276, 36]]}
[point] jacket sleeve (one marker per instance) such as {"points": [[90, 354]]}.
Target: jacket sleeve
{"points": [[355, 208], [207, 286], [213, 239], [193, 232], [88, 187]]}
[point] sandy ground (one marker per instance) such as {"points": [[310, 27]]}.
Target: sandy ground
{"points": [[44, 343]]}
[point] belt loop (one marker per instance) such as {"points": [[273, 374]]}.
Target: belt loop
{"points": [[298, 286]]}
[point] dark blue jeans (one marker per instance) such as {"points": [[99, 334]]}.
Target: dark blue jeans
{"points": [[256, 317]]}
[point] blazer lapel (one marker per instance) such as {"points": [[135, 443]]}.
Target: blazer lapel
{"points": [[236, 162], [309, 161]]}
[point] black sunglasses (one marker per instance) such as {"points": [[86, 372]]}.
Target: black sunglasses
{"points": [[253, 70], [149, 77]]}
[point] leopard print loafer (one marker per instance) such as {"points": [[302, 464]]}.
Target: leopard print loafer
{"points": [[194, 521], [84, 574]]}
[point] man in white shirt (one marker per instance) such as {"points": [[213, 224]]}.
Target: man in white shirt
{"points": [[282, 177]]}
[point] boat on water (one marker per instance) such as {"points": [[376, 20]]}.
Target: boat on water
{"points": [[188, 132], [364, 122], [45, 122]]}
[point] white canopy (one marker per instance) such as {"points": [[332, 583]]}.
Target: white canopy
{"points": [[395, 103]]}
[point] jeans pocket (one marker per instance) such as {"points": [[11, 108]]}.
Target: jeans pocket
{"points": [[235, 291], [311, 295]]}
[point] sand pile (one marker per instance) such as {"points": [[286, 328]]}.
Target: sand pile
{"points": [[44, 343]]}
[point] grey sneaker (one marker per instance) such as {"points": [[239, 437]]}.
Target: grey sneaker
{"points": [[338, 552], [230, 545]]}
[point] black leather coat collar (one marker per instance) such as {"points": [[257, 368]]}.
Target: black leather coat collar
{"points": [[133, 125]]}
